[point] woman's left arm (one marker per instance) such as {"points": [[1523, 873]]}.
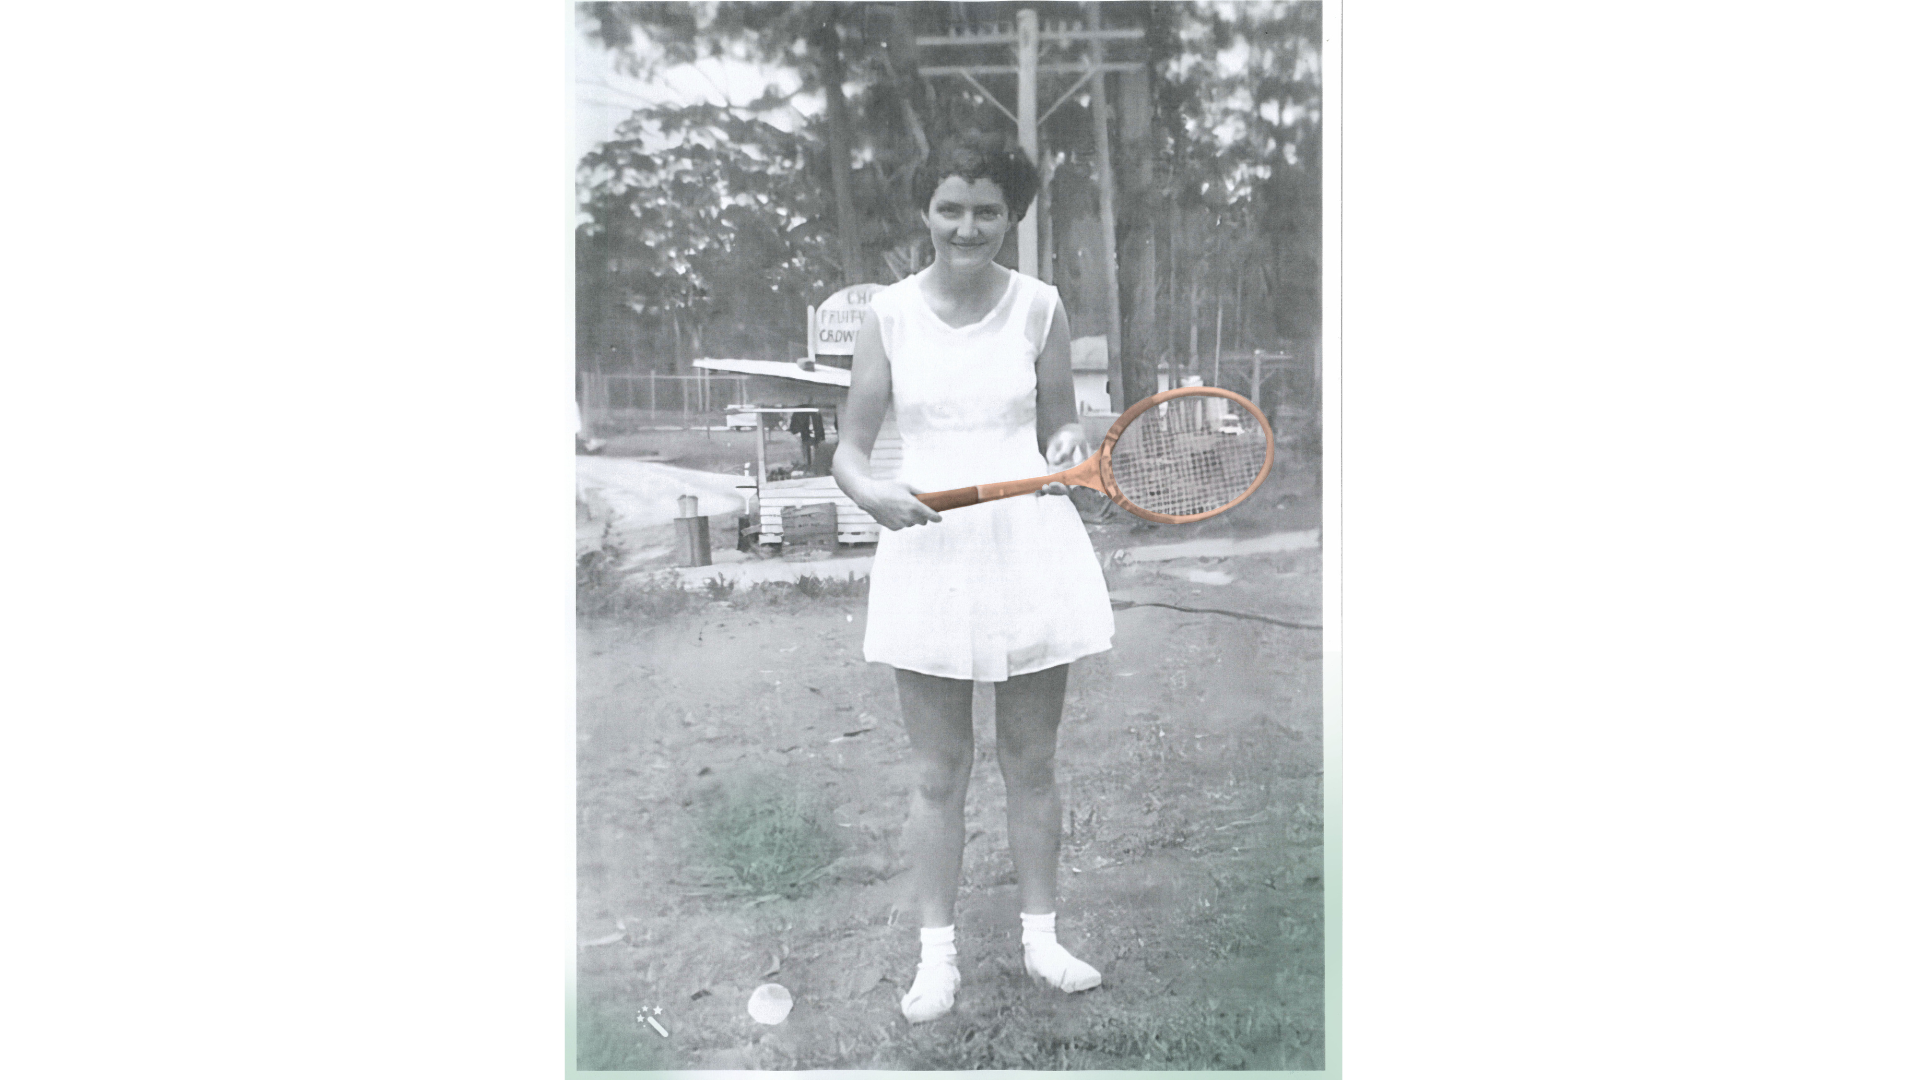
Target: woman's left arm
{"points": [[1057, 417]]}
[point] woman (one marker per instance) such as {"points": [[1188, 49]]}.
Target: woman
{"points": [[974, 361]]}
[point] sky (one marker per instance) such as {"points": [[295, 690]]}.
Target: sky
{"points": [[604, 97]]}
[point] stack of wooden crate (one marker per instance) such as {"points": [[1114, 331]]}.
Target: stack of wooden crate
{"points": [[812, 527]]}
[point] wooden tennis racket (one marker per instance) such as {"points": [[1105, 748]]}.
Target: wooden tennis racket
{"points": [[1177, 456]]}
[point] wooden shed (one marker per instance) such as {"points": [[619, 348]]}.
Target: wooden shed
{"points": [[856, 526], [780, 389]]}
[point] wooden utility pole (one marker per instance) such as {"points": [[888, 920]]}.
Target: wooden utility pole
{"points": [[1316, 371], [1240, 311], [1219, 320], [1027, 40], [1173, 286], [1027, 29], [1109, 254], [1140, 267], [1193, 322], [826, 38], [1043, 209]]}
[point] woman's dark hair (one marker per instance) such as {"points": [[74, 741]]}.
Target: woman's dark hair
{"points": [[981, 156]]}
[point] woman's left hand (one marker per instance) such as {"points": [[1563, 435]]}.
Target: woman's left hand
{"points": [[1067, 448]]}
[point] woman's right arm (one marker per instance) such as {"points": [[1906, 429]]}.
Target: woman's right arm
{"points": [[889, 501]]}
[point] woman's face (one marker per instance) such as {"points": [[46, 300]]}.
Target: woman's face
{"points": [[968, 220]]}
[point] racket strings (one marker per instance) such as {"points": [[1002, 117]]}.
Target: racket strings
{"points": [[1191, 455]]}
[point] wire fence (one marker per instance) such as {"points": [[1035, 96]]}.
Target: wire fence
{"points": [[1287, 391], [1283, 385], [619, 402], [1285, 388]]}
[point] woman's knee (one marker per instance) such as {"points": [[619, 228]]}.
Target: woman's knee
{"points": [[942, 779], [1028, 772]]}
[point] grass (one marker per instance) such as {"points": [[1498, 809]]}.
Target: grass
{"points": [[600, 593], [1003, 1022], [603, 592], [1234, 1007], [1176, 1037], [814, 587], [596, 573], [1193, 861], [610, 1041], [603, 589], [761, 838]]}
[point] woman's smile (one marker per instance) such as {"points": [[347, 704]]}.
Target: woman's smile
{"points": [[968, 219]]}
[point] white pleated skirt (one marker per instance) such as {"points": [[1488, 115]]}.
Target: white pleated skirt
{"points": [[990, 591]]}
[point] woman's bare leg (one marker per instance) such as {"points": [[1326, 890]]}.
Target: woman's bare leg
{"points": [[1026, 719], [939, 718]]}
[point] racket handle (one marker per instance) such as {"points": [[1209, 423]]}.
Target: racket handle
{"points": [[942, 501], [946, 500]]}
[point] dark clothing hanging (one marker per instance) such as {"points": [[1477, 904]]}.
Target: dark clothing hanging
{"points": [[808, 426], [812, 431]]}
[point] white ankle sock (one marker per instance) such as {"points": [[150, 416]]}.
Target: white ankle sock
{"points": [[1048, 961], [931, 995], [936, 945], [1036, 929]]}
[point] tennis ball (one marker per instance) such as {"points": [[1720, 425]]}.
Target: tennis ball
{"points": [[770, 1003]]}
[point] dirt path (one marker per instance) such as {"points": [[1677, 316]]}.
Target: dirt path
{"points": [[1190, 766]]}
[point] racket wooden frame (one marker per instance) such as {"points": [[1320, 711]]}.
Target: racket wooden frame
{"points": [[1096, 472]]}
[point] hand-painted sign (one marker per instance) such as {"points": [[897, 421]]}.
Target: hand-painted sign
{"points": [[837, 323]]}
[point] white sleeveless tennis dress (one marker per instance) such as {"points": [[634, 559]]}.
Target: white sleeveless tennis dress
{"points": [[995, 589]]}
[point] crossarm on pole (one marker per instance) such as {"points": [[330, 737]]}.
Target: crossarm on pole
{"points": [[1063, 97], [967, 75]]}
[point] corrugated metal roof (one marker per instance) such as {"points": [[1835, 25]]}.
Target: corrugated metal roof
{"points": [[780, 369]]}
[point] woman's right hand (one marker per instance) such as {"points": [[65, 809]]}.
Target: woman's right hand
{"points": [[893, 505]]}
